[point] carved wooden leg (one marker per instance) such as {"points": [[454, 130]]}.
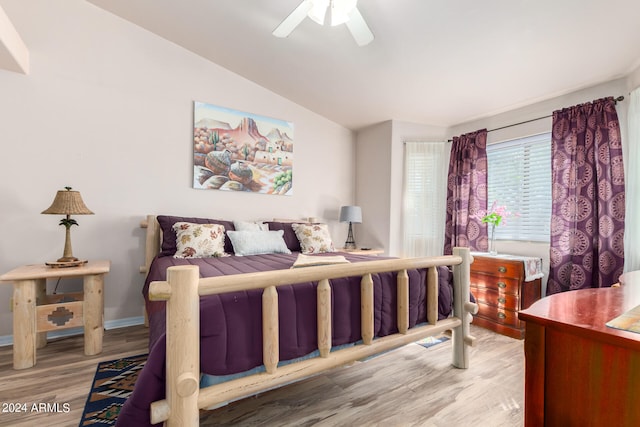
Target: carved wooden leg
{"points": [[93, 313], [24, 324]]}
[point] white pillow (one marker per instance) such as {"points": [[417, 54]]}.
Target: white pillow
{"points": [[250, 226], [199, 240], [314, 238], [258, 242]]}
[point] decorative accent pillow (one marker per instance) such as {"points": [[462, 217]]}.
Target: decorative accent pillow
{"points": [[314, 238], [169, 245], [250, 226], [258, 242], [199, 240]]}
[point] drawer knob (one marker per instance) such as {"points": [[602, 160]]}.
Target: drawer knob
{"points": [[502, 269], [502, 300], [501, 315], [502, 285]]}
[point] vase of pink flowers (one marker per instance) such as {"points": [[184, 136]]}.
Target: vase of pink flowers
{"points": [[494, 217]]}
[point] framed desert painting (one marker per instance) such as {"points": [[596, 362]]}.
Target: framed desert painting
{"points": [[238, 151]]}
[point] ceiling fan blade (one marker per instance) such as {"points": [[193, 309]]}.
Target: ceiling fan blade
{"points": [[359, 28], [293, 20]]}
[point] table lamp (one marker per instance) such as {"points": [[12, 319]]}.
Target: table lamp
{"points": [[68, 202], [352, 215]]}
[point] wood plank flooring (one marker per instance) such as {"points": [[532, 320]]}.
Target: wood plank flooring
{"points": [[411, 386]]}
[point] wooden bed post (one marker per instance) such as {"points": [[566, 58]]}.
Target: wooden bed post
{"points": [[432, 295], [462, 308], [270, 330], [366, 308], [152, 248], [403, 301], [183, 333], [324, 317], [152, 241]]}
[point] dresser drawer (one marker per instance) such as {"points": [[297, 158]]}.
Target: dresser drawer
{"points": [[498, 267], [500, 284], [497, 299], [498, 315]]}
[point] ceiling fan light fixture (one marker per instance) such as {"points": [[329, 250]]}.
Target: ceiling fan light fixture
{"points": [[318, 10], [341, 11]]}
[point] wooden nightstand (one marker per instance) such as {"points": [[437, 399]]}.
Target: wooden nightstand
{"points": [[502, 288], [361, 251], [35, 313]]}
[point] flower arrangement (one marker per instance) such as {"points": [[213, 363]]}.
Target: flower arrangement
{"points": [[495, 216]]}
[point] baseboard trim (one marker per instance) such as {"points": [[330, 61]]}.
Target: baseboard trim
{"points": [[109, 324]]}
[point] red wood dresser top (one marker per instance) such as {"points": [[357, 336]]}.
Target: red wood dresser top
{"points": [[585, 312]]}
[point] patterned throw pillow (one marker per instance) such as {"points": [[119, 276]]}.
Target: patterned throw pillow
{"points": [[314, 238], [199, 240]]}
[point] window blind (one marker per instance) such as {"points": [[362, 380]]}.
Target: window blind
{"points": [[519, 177]]}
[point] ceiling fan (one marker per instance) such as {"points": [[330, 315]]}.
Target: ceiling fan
{"points": [[342, 12]]}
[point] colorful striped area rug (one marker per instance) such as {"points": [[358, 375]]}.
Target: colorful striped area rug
{"points": [[431, 341], [115, 379], [112, 385]]}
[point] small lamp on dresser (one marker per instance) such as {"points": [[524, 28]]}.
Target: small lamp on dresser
{"points": [[352, 215], [67, 202]]}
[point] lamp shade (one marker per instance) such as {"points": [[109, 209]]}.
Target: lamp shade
{"points": [[68, 202], [351, 214]]}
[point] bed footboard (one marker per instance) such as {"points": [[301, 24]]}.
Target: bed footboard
{"points": [[184, 287]]}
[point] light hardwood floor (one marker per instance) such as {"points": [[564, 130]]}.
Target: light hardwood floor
{"points": [[411, 386]]}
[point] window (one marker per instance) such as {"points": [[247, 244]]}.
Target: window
{"points": [[519, 177], [425, 196]]}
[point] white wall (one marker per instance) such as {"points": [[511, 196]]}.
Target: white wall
{"points": [[379, 179], [633, 80], [107, 109], [373, 169]]}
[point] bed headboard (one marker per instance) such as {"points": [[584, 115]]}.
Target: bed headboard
{"points": [[153, 241]]}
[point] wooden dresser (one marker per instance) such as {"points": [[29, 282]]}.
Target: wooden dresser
{"points": [[579, 371], [499, 286]]}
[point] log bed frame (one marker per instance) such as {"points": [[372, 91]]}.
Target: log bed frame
{"points": [[183, 287]]}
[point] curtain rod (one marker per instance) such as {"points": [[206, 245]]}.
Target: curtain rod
{"points": [[616, 100]]}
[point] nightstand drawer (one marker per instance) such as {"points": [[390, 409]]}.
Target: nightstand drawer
{"points": [[497, 299], [498, 315], [498, 267], [499, 284]]}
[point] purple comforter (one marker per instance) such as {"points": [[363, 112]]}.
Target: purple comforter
{"points": [[231, 328]]}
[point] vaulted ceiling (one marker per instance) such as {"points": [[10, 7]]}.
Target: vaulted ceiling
{"points": [[437, 62]]}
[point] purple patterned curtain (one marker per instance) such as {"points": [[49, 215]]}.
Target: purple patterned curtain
{"points": [[587, 220], [467, 193]]}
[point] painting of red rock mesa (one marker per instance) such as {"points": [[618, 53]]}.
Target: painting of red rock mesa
{"points": [[238, 151]]}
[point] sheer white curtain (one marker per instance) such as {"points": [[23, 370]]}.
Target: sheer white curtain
{"points": [[425, 198], [632, 191]]}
